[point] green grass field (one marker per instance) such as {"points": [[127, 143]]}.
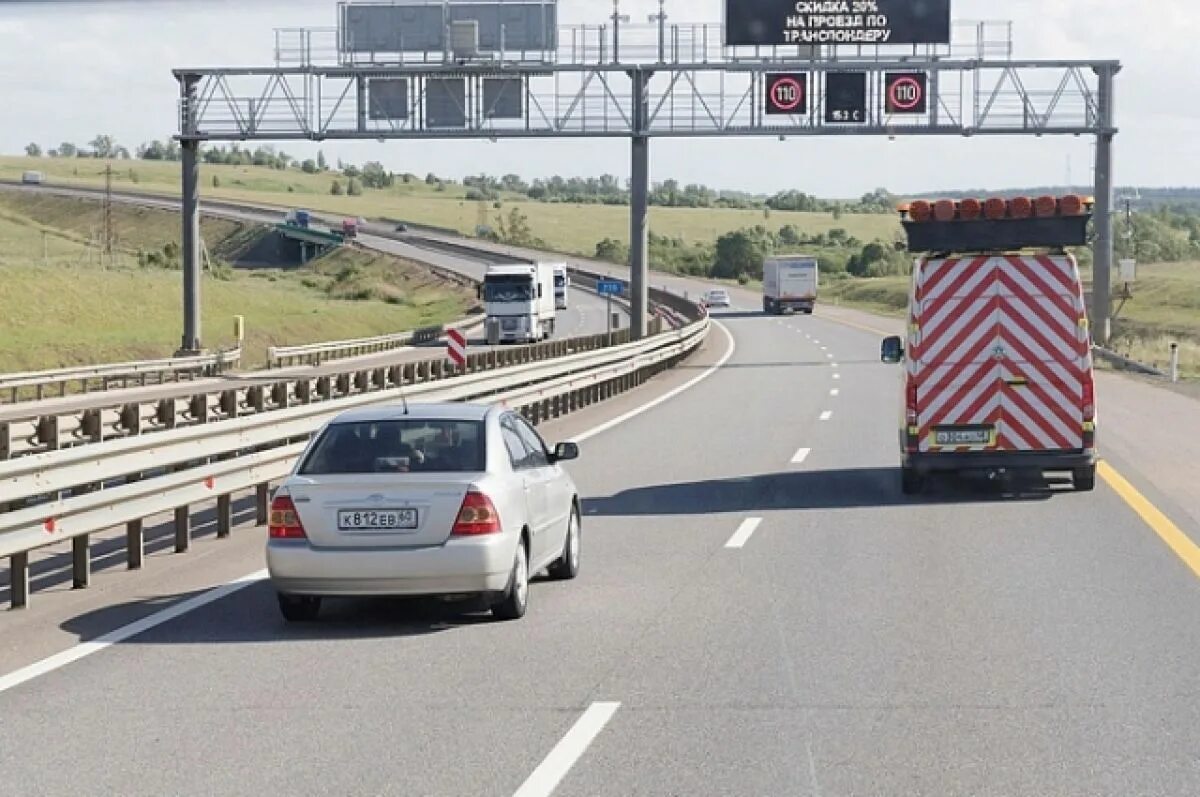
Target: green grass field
{"points": [[568, 228], [62, 305]]}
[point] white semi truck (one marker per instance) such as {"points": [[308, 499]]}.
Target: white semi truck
{"points": [[519, 299], [790, 283]]}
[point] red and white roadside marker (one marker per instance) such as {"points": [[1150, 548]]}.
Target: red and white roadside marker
{"points": [[456, 347]]}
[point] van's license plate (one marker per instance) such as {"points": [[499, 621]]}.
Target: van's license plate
{"points": [[962, 437], [376, 519]]}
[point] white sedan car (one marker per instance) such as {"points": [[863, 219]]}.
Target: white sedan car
{"points": [[717, 298], [456, 500]]}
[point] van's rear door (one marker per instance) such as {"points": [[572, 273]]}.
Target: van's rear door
{"points": [[1043, 352], [955, 370]]}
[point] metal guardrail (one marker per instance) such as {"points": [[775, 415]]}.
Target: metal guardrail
{"points": [[37, 433], [74, 493], [1126, 363], [317, 353], [39, 385]]}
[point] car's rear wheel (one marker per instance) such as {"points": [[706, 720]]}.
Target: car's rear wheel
{"points": [[1084, 479], [912, 481], [515, 600], [299, 608], [566, 567]]}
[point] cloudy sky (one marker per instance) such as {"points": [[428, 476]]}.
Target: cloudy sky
{"points": [[70, 70]]}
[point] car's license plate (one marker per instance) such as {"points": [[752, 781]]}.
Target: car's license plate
{"points": [[376, 519], [978, 436]]}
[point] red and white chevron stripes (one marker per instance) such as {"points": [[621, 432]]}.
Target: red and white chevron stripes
{"points": [[1001, 342]]}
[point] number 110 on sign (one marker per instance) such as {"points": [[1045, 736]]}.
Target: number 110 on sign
{"points": [[787, 93]]}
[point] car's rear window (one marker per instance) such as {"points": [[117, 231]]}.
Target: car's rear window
{"points": [[399, 446]]}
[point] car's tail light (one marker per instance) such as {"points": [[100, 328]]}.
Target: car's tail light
{"points": [[1089, 399], [477, 516], [284, 523], [910, 404]]}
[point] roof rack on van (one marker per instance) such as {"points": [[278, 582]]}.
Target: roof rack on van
{"points": [[996, 224]]}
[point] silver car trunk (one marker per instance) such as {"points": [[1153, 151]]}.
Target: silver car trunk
{"points": [[375, 510]]}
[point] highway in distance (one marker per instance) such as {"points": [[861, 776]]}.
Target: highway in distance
{"points": [[760, 612]]}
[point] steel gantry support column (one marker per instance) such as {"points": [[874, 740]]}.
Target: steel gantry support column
{"points": [[191, 247], [190, 160], [639, 206], [1102, 256]]}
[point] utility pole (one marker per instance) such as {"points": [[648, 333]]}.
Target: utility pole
{"points": [[108, 222]]}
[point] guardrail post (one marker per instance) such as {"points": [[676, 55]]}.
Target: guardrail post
{"points": [[5, 441], [183, 529], [81, 562], [304, 392], [224, 516], [262, 501], [229, 403], [325, 388], [18, 580], [135, 544], [47, 431]]}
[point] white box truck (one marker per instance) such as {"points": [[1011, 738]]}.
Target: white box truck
{"points": [[519, 299], [790, 283]]}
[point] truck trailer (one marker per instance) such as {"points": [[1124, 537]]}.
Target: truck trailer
{"points": [[790, 284]]}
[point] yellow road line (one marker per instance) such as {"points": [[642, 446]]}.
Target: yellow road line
{"points": [[1171, 534]]}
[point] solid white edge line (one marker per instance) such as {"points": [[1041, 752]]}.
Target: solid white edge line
{"points": [[620, 419], [84, 649], [826, 415], [744, 530], [800, 456], [554, 767]]}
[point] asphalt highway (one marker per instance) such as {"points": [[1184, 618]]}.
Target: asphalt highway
{"points": [[760, 612]]}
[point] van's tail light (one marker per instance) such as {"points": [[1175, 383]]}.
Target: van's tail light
{"points": [[284, 523], [477, 516], [910, 404], [1089, 413], [1089, 399]]}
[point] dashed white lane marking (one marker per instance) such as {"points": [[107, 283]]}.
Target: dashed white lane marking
{"points": [[826, 415], [801, 455], [837, 376], [834, 392], [742, 535], [545, 779]]}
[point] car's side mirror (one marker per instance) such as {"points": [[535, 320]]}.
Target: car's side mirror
{"points": [[564, 452], [892, 350]]}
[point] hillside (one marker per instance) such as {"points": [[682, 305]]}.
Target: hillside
{"points": [[63, 303], [567, 227]]}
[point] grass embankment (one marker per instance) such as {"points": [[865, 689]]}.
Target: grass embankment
{"points": [[564, 227], [63, 304]]}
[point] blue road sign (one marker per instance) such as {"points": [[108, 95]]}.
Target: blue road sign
{"points": [[608, 288]]}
